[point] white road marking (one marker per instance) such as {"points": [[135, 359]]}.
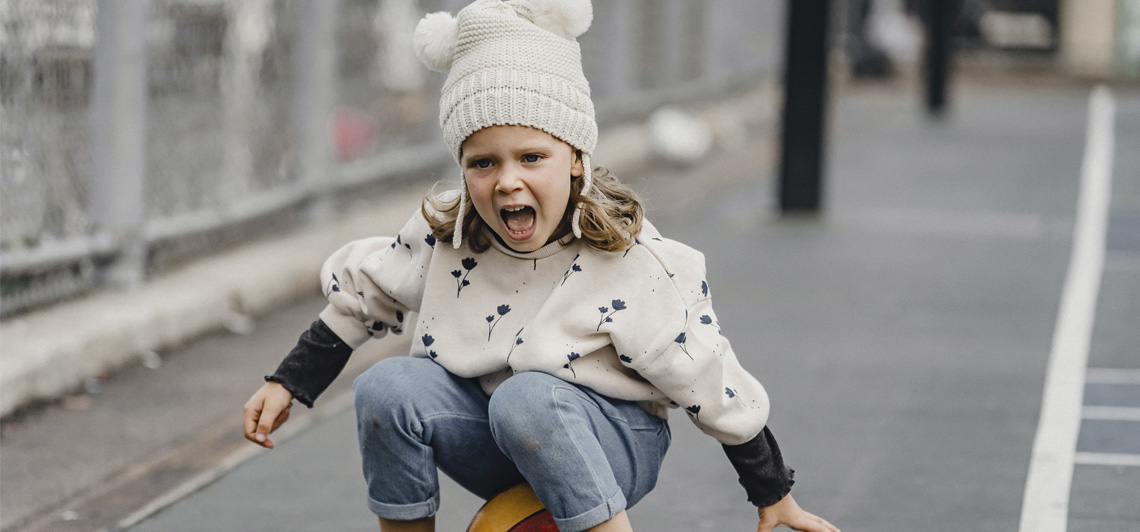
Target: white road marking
{"points": [[1112, 376], [1111, 413], [1108, 459], [1045, 506]]}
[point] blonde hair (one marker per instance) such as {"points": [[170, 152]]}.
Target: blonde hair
{"points": [[611, 215]]}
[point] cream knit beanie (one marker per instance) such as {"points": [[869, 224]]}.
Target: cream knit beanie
{"points": [[512, 62]]}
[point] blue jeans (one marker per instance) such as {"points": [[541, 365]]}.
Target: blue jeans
{"points": [[588, 457]]}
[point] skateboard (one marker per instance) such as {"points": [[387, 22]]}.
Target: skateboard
{"points": [[515, 510]]}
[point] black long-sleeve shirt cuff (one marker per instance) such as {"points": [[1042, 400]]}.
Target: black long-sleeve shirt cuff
{"points": [[762, 472], [313, 364]]}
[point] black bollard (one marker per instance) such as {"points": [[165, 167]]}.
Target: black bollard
{"points": [[805, 97], [939, 25]]}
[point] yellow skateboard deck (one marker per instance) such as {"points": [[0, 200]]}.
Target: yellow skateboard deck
{"points": [[515, 510]]}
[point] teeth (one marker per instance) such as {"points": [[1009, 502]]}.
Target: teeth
{"points": [[514, 209]]}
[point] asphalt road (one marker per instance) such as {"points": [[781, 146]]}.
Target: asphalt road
{"points": [[903, 336]]}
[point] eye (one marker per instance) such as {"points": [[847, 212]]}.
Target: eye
{"points": [[481, 164], [531, 158]]}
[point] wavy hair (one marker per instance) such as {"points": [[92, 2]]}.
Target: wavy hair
{"points": [[611, 215]]}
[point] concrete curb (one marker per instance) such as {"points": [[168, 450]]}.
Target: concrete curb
{"points": [[49, 353], [52, 352]]}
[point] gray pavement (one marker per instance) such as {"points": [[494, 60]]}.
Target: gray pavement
{"points": [[902, 335]]}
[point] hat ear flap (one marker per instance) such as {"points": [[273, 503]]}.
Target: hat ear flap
{"points": [[565, 18], [435, 39]]}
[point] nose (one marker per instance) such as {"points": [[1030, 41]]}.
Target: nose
{"points": [[509, 180]]}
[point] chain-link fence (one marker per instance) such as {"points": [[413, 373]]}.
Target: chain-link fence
{"points": [[138, 134]]}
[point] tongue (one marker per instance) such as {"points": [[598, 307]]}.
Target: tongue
{"points": [[519, 221]]}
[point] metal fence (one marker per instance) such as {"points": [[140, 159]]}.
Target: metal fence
{"points": [[138, 134]]}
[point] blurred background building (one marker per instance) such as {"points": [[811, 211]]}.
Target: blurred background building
{"points": [[139, 134]]}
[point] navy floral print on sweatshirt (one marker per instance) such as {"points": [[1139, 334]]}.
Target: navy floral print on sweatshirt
{"points": [[574, 268], [695, 411], [401, 243], [680, 340], [707, 320], [428, 340], [731, 393], [570, 365], [518, 342], [618, 305], [461, 277], [492, 321]]}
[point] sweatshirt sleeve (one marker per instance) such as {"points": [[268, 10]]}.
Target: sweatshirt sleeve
{"points": [[761, 467], [686, 357], [313, 364], [677, 346], [373, 284]]}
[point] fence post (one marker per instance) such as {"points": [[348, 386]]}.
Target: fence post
{"points": [[805, 97], [118, 136], [315, 99]]}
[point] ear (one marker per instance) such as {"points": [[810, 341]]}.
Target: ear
{"points": [[576, 167]]}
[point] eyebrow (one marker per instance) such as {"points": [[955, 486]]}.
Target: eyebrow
{"points": [[532, 149], [474, 155]]}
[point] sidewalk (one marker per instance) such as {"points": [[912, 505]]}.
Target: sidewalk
{"points": [[902, 337]]}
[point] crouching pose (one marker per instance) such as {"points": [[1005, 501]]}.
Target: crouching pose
{"points": [[553, 327]]}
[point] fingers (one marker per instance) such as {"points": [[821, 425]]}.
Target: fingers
{"points": [[768, 521], [272, 416], [252, 417], [264, 413], [827, 527], [787, 513], [282, 417], [812, 523], [249, 420]]}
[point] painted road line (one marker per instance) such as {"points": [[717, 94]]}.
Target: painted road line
{"points": [[1045, 506], [1112, 376], [1111, 413], [1108, 459]]}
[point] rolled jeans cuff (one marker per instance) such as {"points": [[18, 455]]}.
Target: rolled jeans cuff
{"points": [[405, 512], [594, 516]]}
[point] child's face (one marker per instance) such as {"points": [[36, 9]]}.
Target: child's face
{"points": [[519, 180]]}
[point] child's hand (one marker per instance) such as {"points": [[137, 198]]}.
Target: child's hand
{"points": [[787, 513], [265, 411]]}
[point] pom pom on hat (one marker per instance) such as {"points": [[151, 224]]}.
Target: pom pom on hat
{"points": [[435, 39], [565, 18]]}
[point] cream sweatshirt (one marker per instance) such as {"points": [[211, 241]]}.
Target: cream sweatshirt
{"points": [[635, 325]]}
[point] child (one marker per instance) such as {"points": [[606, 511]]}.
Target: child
{"points": [[555, 327]]}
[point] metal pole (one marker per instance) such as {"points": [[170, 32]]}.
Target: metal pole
{"points": [[118, 136], [805, 98], [314, 101], [938, 53]]}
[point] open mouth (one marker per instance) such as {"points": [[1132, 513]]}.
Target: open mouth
{"points": [[518, 220]]}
